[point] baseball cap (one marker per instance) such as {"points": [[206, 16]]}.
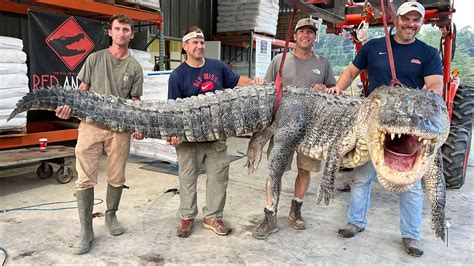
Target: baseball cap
{"points": [[307, 22], [411, 6]]}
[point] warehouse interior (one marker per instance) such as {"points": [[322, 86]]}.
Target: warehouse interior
{"points": [[38, 211]]}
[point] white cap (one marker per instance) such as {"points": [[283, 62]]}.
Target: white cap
{"points": [[411, 6]]}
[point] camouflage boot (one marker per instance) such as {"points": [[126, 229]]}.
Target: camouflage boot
{"points": [[113, 200], [295, 215], [267, 226], [85, 205]]}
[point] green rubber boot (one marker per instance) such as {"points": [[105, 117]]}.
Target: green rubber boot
{"points": [[113, 200], [85, 205]]}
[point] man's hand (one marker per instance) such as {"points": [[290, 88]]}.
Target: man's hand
{"points": [[258, 81], [63, 112], [334, 90], [138, 135], [174, 141], [318, 86]]}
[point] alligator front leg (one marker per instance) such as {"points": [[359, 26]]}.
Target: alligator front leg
{"points": [[255, 148], [435, 188]]}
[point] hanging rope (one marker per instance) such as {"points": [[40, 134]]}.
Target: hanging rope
{"points": [[394, 80], [279, 91]]}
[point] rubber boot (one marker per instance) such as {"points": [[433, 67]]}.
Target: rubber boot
{"points": [[85, 205], [267, 226], [113, 200], [295, 215]]}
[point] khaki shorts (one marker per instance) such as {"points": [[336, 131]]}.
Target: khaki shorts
{"points": [[302, 161]]}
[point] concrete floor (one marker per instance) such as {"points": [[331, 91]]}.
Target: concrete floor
{"points": [[149, 215]]}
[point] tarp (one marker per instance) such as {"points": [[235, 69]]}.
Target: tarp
{"points": [[59, 45]]}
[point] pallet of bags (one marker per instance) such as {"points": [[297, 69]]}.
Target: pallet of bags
{"points": [[13, 83], [155, 88], [248, 15]]}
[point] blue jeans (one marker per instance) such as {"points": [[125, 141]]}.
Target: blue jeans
{"points": [[411, 202]]}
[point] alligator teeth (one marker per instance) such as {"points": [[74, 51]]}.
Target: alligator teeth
{"points": [[419, 139], [399, 135], [392, 136], [382, 136], [425, 141]]}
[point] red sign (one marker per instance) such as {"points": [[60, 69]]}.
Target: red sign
{"points": [[70, 43]]}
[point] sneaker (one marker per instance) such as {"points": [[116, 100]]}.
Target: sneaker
{"points": [[412, 246], [218, 226], [185, 228], [350, 230]]}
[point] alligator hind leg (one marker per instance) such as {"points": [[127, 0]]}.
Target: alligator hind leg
{"points": [[289, 128]]}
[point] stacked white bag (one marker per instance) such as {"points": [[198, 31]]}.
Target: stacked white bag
{"points": [[144, 58], [155, 87], [248, 15], [13, 82]]}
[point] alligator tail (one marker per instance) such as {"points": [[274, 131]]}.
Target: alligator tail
{"points": [[200, 118]]}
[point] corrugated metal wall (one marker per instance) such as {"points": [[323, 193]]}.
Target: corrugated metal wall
{"points": [[180, 14]]}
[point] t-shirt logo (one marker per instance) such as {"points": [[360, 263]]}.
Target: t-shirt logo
{"points": [[415, 61], [316, 71], [207, 86]]}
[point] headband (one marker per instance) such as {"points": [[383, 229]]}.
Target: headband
{"points": [[193, 34]]}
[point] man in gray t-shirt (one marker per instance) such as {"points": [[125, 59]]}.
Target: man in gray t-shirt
{"points": [[302, 68]]}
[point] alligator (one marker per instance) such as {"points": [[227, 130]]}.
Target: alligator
{"points": [[401, 130], [60, 44]]}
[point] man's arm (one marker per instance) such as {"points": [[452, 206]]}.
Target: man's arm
{"points": [[434, 83], [345, 80], [244, 81]]}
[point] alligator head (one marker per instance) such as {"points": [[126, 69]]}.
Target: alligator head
{"points": [[61, 44], [405, 130]]}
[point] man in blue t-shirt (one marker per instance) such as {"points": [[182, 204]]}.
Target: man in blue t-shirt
{"points": [[418, 66], [199, 75]]}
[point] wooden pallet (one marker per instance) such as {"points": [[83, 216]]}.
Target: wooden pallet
{"points": [[13, 132], [241, 33]]}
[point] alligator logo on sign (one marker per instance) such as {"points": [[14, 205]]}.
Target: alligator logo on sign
{"points": [[70, 43]]}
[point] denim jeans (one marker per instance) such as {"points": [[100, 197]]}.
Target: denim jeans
{"points": [[411, 202]]}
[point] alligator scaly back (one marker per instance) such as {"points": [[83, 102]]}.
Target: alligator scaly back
{"points": [[208, 117]]}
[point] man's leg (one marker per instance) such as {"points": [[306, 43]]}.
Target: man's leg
{"points": [[189, 165], [117, 147], [217, 167], [360, 200], [411, 208], [303, 179], [88, 150]]}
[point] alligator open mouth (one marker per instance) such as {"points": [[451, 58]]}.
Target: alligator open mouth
{"points": [[401, 158]]}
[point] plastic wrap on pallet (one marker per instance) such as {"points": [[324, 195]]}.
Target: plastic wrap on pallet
{"points": [[10, 43], [12, 56], [248, 15], [18, 122], [14, 92], [13, 81], [155, 88], [13, 68]]}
